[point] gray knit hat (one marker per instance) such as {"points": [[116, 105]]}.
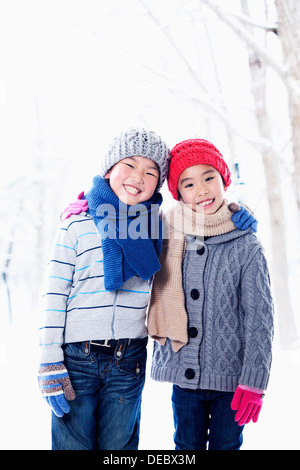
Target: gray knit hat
{"points": [[138, 142]]}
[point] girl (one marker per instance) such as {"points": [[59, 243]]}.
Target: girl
{"points": [[211, 308]]}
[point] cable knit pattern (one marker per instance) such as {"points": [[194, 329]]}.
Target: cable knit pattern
{"points": [[167, 294], [230, 317]]}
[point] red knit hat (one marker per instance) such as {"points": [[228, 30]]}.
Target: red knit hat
{"points": [[192, 152]]}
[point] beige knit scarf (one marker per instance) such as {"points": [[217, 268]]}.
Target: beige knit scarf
{"points": [[167, 317]]}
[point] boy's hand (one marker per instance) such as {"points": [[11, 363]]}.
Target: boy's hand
{"points": [[81, 205], [56, 387], [242, 217], [247, 404]]}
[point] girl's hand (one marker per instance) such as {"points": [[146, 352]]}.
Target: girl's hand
{"points": [[76, 207], [247, 404]]}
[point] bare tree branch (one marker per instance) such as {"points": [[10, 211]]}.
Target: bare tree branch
{"points": [[248, 39], [248, 21], [192, 72]]}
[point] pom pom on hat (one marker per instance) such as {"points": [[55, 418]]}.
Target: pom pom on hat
{"points": [[138, 142], [193, 152]]}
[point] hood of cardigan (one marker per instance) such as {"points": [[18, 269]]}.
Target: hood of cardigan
{"points": [[226, 237]]}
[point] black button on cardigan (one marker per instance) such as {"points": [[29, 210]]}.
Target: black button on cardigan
{"points": [[195, 294]]}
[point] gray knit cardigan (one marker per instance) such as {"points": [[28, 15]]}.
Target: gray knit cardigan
{"points": [[230, 317]]}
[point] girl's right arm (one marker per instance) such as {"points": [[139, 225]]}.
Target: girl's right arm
{"points": [[81, 205]]}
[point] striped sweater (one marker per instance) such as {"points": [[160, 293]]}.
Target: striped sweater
{"points": [[76, 305]]}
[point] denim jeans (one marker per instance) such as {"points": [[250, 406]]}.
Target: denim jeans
{"points": [[203, 419], [108, 382]]}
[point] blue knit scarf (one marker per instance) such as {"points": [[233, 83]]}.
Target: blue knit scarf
{"points": [[131, 235]]}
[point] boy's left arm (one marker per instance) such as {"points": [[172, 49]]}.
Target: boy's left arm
{"points": [[257, 305], [242, 217]]}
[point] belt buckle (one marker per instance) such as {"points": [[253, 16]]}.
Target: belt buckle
{"points": [[105, 344]]}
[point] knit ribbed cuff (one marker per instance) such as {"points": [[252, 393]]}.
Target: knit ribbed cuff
{"points": [[254, 378]]}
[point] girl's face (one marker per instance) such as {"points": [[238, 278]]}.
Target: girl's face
{"points": [[201, 187], [133, 179]]}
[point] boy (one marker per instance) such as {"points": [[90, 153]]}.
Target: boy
{"points": [[93, 341], [211, 308]]}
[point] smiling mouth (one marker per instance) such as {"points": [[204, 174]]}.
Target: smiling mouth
{"points": [[132, 190], [205, 203]]}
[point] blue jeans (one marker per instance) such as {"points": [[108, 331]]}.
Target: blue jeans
{"points": [[204, 417], [108, 382]]}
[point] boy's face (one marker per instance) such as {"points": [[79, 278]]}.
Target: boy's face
{"points": [[133, 179], [201, 187]]}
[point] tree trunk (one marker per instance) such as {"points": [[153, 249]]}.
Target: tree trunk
{"points": [[288, 12], [284, 310]]}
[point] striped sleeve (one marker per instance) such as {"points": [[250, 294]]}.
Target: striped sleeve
{"points": [[59, 280]]}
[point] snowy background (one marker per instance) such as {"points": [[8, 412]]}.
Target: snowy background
{"points": [[73, 74]]}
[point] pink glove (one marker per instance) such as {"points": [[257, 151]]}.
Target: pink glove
{"points": [[248, 402], [76, 207]]}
